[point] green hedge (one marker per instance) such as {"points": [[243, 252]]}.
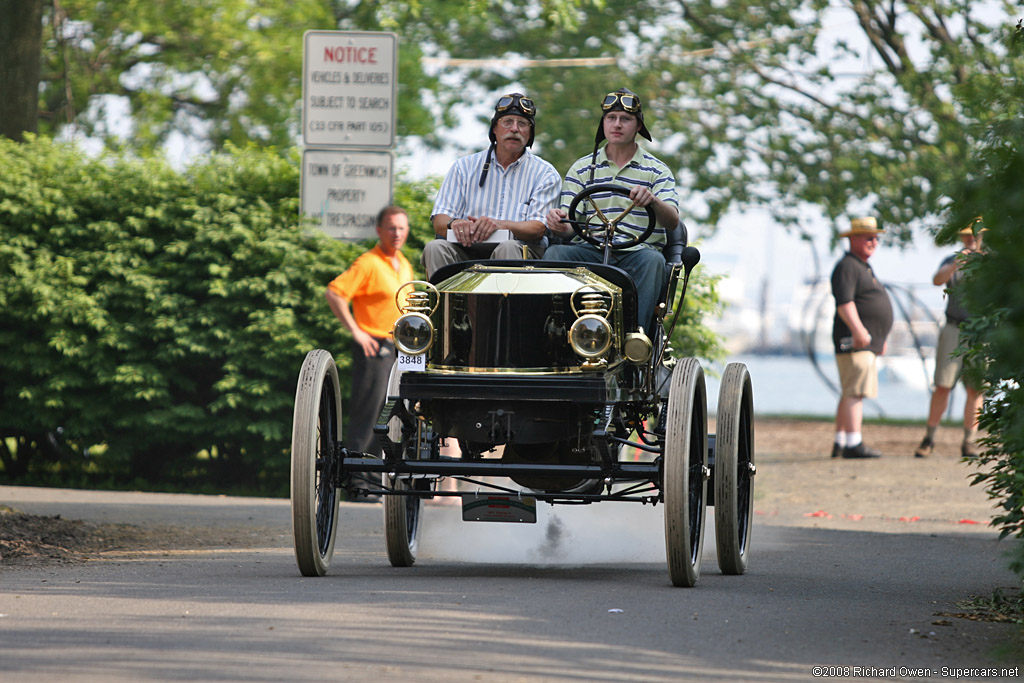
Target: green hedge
{"points": [[152, 323]]}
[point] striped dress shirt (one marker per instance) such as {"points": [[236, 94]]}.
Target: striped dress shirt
{"points": [[524, 191]]}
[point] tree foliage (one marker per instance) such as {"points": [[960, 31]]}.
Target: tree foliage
{"points": [[845, 107], [803, 107], [230, 70], [992, 188], [160, 315], [221, 71]]}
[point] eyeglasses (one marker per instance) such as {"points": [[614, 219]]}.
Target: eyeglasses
{"points": [[622, 118], [511, 122], [507, 101], [630, 103]]}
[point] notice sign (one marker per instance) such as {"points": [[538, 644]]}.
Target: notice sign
{"points": [[349, 88], [345, 190]]}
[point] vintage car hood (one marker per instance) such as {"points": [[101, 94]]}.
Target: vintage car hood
{"points": [[483, 279], [515, 318]]}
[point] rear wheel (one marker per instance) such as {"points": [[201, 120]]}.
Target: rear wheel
{"points": [[734, 469], [316, 429], [684, 479], [402, 524]]}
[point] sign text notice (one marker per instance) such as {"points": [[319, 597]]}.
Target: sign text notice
{"points": [[349, 88]]}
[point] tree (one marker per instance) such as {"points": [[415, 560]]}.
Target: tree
{"points": [[992, 187], [846, 107], [20, 39], [218, 71]]}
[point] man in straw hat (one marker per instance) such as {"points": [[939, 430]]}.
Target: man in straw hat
{"points": [[623, 162], [859, 330], [493, 203], [947, 363]]}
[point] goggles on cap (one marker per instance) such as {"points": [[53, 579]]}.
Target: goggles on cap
{"points": [[506, 102], [629, 101]]}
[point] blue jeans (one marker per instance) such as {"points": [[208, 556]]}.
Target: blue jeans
{"points": [[645, 266]]}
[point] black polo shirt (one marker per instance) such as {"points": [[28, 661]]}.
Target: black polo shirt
{"points": [[853, 280]]}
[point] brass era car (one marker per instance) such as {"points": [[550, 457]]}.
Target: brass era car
{"points": [[542, 375]]}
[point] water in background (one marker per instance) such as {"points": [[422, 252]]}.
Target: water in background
{"points": [[789, 385]]}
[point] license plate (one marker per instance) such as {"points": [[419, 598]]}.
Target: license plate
{"points": [[477, 507], [411, 362]]}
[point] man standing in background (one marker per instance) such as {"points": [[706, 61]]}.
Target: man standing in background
{"points": [[947, 363], [859, 330], [363, 299]]}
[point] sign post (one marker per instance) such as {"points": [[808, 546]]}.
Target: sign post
{"points": [[349, 97]]}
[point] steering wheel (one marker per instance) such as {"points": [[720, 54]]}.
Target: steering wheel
{"points": [[598, 229]]}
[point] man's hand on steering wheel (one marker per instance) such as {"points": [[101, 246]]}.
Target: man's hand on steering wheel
{"points": [[642, 196], [555, 222]]}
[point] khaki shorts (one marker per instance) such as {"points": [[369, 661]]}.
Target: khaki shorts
{"points": [[947, 364], [858, 375]]}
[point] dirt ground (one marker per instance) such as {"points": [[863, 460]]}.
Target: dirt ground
{"points": [[797, 484]]}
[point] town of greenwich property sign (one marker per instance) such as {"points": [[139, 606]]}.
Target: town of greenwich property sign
{"points": [[345, 189], [349, 89]]}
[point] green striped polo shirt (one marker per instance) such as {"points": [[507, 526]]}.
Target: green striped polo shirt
{"points": [[643, 169]]}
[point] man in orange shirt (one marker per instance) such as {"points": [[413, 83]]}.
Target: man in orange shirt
{"points": [[369, 286]]}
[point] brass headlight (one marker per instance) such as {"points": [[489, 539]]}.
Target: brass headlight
{"points": [[590, 336], [637, 347], [414, 333], [415, 297]]}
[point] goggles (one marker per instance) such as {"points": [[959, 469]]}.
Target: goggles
{"points": [[506, 102], [630, 102]]}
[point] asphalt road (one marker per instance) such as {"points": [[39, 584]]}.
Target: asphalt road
{"points": [[583, 595]]}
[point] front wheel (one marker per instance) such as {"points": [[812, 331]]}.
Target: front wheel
{"points": [[684, 477], [402, 525], [734, 469], [316, 431]]}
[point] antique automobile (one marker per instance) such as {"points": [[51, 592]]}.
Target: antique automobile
{"points": [[531, 381]]}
